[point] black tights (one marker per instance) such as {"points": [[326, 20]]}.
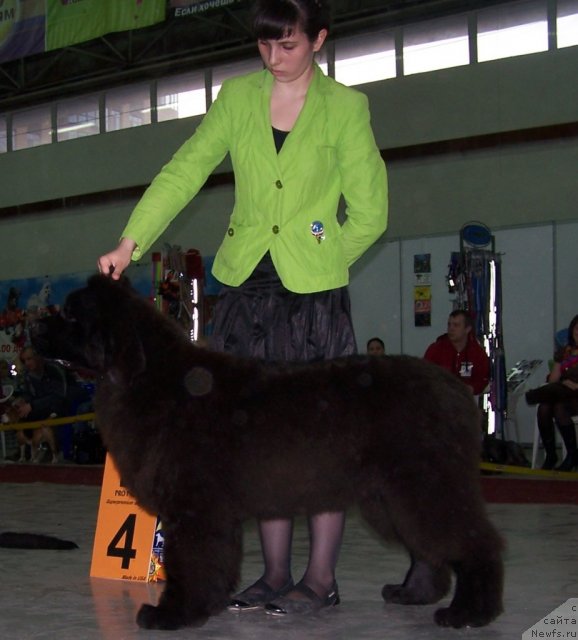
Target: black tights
{"points": [[559, 413], [325, 534]]}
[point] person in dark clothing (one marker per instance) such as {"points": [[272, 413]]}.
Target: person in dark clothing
{"points": [[44, 394], [559, 414]]}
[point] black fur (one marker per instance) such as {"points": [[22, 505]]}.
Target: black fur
{"points": [[207, 440]]}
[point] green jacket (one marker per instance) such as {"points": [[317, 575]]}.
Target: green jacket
{"points": [[330, 151]]}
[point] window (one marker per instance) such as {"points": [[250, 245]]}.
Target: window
{"points": [[77, 118], [512, 30], [220, 74], [366, 58], [181, 96], [3, 135], [31, 128], [436, 44], [567, 23], [128, 107]]}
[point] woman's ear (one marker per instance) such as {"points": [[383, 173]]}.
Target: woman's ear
{"points": [[318, 43]]}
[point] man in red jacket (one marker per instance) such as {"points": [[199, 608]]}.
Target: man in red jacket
{"points": [[458, 351]]}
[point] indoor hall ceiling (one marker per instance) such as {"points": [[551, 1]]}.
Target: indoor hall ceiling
{"points": [[183, 44]]}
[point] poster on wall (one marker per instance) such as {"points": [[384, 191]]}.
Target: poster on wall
{"points": [[422, 290]]}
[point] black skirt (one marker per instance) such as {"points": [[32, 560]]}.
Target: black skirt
{"points": [[262, 319]]}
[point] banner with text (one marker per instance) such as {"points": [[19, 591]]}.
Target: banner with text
{"points": [[21, 28], [184, 8], [35, 26]]}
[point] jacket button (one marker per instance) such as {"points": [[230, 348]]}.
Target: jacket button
{"points": [[275, 229], [230, 232], [279, 184]]}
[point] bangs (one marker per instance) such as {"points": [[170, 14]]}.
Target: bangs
{"points": [[277, 23]]}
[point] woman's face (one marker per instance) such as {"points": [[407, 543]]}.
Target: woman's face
{"points": [[290, 57]]}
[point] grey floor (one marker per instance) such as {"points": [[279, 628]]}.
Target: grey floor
{"points": [[49, 594]]}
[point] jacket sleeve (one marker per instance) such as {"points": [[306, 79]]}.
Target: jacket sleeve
{"points": [[363, 180], [430, 354], [182, 178]]}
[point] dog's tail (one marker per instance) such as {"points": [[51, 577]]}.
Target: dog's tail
{"points": [[12, 540]]}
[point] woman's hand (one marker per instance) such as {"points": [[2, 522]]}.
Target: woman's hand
{"points": [[114, 263], [570, 384], [23, 409]]}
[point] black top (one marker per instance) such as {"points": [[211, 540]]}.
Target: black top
{"points": [[279, 137]]}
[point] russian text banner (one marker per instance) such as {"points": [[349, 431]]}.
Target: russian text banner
{"points": [[21, 28]]}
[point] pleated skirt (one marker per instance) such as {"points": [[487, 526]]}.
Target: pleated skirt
{"points": [[262, 319]]}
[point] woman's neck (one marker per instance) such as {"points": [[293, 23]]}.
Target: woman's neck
{"points": [[287, 100]]}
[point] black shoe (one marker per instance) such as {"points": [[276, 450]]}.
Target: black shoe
{"points": [[257, 596], [569, 462], [302, 605], [549, 462]]}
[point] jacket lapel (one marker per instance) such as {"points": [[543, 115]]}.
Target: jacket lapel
{"points": [[310, 116], [263, 115]]}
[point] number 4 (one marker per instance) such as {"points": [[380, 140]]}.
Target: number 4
{"points": [[126, 551]]}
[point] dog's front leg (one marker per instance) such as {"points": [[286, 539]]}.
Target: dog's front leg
{"points": [[202, 559]]}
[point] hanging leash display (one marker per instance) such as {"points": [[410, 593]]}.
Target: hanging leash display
{"points": [[476, 275]]}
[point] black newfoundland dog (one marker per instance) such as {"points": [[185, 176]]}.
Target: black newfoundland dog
{"points": [[207, 440]]}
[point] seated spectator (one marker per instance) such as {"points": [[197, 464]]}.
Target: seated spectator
{"points": [[375, 347], [459, 352], [47, 391], [559, 411]]}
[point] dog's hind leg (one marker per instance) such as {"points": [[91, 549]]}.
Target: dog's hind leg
{"points": [[479, 578], [202, 558], [459, 534], [423, 583]]}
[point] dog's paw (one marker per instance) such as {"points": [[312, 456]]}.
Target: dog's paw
{"points": [[150, 617], [458, 618], [392, 593]]}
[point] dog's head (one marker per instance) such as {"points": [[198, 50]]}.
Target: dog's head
{"points": [[95, 329]]}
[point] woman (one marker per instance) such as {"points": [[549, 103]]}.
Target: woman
{"points": [[375, 347], [298, 141], [565, 370]]}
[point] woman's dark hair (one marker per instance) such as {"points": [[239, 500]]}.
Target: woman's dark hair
{"points": [[573, 323], [276, 19], [378, 340]]}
